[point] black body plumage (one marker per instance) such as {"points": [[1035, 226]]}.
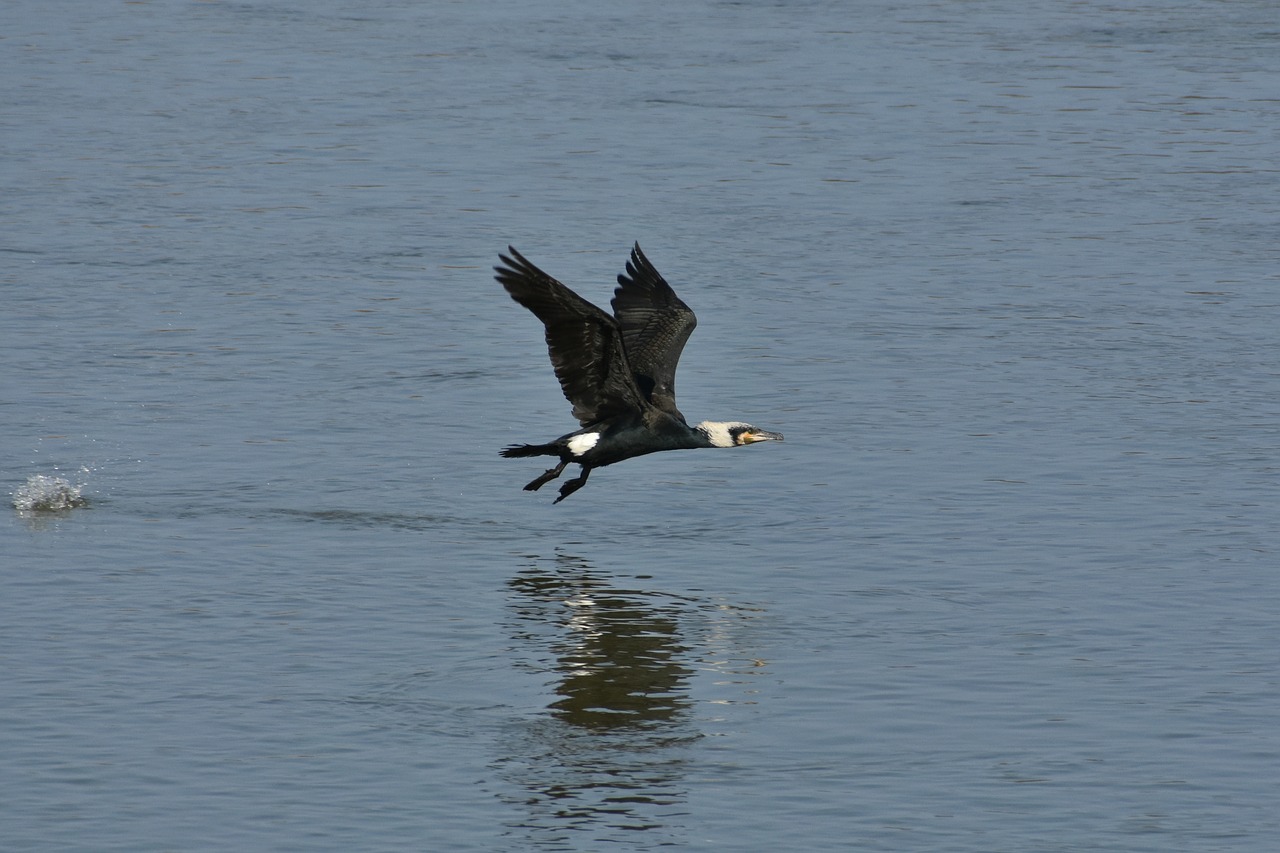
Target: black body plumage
{"points": [[618, 371]]}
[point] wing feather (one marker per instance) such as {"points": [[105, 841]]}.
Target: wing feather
{"points": [[585, 344], [655, 325]]}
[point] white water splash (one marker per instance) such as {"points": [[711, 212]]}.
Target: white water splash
{"points": [[45, 493]]}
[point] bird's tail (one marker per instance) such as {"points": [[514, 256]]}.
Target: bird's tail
{"points": [[518, 451]]}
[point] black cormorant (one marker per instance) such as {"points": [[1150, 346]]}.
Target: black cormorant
{"points": [[618, 372]]}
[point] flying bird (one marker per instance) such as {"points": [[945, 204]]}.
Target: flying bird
{"points": [[618, 372]]}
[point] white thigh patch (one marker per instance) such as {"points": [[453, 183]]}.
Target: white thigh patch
{"points": [[580, 444]]}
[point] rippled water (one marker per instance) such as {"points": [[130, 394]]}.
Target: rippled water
{"points": [[1003, 273]]}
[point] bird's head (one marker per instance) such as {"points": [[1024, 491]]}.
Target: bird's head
{"points": [[735, 433]]}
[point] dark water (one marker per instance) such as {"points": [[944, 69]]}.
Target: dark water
{"points": [[1004, 273]]}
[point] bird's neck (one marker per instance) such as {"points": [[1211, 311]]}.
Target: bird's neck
{"points": [[716, 433]]}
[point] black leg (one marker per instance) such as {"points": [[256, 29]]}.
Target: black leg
{"points": [[573, 485], [547, 476]]}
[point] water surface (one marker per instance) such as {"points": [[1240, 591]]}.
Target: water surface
{"points": [[1004, 274]]}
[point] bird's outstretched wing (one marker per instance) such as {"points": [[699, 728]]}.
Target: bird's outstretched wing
{"points": [[655, 325], [585, 343]]}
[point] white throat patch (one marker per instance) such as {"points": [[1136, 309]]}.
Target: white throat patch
{"points": [[718, 433], [580, 444]]}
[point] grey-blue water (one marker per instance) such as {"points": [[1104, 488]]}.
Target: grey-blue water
{"points": [[1005, 273]]}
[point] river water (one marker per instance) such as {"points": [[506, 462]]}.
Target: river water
{"points": [[1004, 273]]}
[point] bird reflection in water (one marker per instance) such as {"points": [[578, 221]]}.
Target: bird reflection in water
{"points": [[609, 756]]}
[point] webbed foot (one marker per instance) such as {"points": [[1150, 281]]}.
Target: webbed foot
{"points": [[547, 476], [573, 485]]}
